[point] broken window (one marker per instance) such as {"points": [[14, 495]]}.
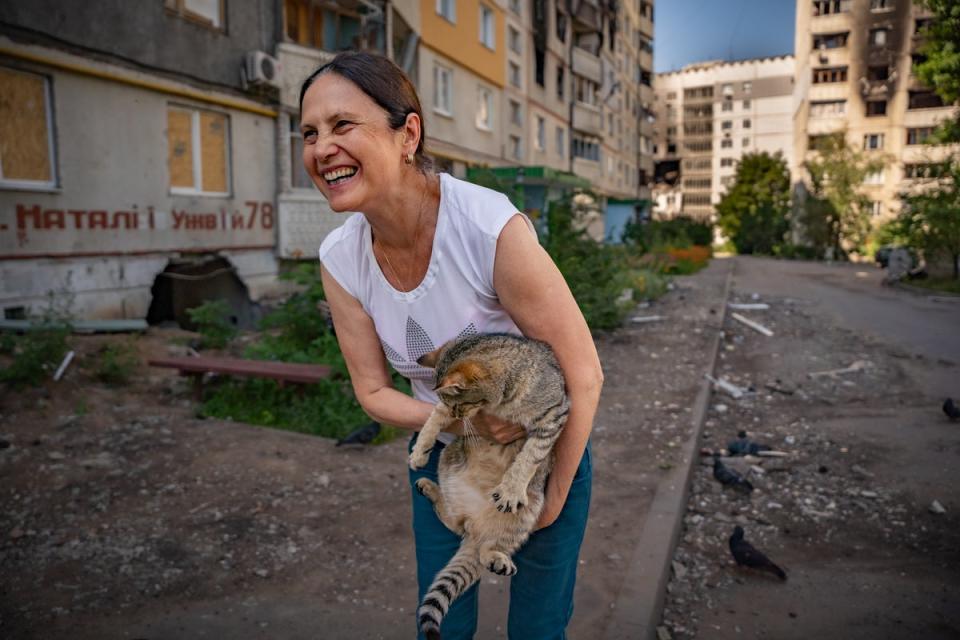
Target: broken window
{"points": [[560, 82], [27, 157], [830, 40], [878, 37], [541, 139], [539, 60], [726, 162], [561, 142], [561, 24], [924, 100], [829, 74], [876, 107], [881, 5], [329, 27], [516, 114], [829, 7], [727, 105], [922, 170], [198, 152], [516, 151], [878, 74], [828, 108], [746, 123]]}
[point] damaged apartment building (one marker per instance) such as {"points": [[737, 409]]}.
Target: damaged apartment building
{"points": [[149, 152]]}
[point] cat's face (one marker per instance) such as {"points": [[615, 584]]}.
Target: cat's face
{"points": [[461, 385]]}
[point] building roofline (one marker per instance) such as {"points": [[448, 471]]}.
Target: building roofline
{"points": [[713, 64]]}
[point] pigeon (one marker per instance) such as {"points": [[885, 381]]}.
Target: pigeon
{"points": [[952, 411], [742, 446], [730, 478], [361, 436], [747, 555]]}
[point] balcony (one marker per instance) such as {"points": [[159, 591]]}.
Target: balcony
{"points": [[586, 15], [587, 118], [296, 63], [587, 65]]}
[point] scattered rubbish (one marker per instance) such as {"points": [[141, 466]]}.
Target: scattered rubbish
{"points": [[776, 388], [860, 471], [790, 439], [951, 409], [773, 454], [663, 634], [873, 495], [645, 319], [858, 365], [756, 326], [67, 359], [754, 296], [679, 571], [748, 306], [720, 408], [730, 478], [937, 508], [726, 386]]}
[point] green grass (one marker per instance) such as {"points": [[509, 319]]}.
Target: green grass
{"points": [[941, 284]]}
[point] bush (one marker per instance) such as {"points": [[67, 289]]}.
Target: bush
{"points": [[679, 232], [213, 321], [116, 363], [36, 355], [296, 331]]}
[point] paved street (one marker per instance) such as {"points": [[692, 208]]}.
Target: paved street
{"points": [[847, 512]]}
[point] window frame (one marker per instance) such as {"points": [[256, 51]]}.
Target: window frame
{"points": [[450, 5], [514, 37], [438, 70], [870, 138], [540, 133], [488, 27], [39, 185], [484, 99], [179, 9], [196, 147]]}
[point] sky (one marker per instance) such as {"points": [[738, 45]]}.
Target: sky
{"points": [[688, 31]]}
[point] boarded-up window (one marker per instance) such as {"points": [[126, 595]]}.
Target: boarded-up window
{"points": [[197, 151], [26, 143]]}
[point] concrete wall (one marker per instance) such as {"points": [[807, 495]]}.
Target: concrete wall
{"points": [[149, 34], [109, 225]]}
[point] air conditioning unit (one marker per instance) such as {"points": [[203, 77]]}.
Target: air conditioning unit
{"points": [[260, 68]]}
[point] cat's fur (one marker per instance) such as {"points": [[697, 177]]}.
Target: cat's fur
{"points": [[490, 494]]}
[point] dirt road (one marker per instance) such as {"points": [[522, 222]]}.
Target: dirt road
{"points": [[847, 513], [124, 516]]}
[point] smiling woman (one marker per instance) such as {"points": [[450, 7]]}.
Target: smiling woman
{"points": [[426, 259]]}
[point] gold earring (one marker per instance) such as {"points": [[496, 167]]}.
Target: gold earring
{"points": [[408, 158]]}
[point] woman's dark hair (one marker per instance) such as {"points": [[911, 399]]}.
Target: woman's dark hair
{"points": [[385, 83]]}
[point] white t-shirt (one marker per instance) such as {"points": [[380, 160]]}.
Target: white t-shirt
{"points": [[456, 297]]}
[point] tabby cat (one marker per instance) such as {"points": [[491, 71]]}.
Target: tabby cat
{"points": [[490, 494]]}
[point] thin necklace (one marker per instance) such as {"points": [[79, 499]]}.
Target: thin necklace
{"points": [[416, 243]]}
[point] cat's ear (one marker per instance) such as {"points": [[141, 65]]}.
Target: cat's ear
{"points": [[453, 381], [429, 360]]}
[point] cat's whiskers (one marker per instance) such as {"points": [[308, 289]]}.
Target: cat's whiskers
{"points": [[469, 431]]}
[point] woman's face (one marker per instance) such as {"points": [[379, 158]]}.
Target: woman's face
{"points": [[349, 149]]}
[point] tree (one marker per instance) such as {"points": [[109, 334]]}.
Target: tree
{"points": [[930, 218], [941, 67], [753, 213], [839, 212]]}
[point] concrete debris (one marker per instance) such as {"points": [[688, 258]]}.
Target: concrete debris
{"points": [[748, 306], [937, 508], [663, 634], [756, 326], [858, 365], [645, 319]]}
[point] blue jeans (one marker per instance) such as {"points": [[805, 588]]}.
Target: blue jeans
{"points": [[542, 588]]}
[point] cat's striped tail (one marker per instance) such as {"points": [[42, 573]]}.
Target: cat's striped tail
{"points": [[455, 578]]}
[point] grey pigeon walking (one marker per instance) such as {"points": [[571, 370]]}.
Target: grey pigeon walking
{"points": [[361, 436], [747, 555], [730, 478]]}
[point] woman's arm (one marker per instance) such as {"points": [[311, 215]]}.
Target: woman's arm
{"points": [[366, 363], [534, 293]]}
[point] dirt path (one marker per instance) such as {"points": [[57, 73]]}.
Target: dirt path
{"points": [[124, 516], [847, 512]]}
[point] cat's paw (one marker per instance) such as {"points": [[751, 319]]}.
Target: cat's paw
{"points": [[418, 458], [428, 488], [509, 499], [499, 563]]}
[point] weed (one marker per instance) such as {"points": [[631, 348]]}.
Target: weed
{"points": [[36, 355], [116, 364], [212, 319]]}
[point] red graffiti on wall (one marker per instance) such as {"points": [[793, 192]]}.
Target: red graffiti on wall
{"points": [[259, 215]]}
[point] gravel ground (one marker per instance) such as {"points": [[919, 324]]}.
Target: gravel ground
{"points": [[847, 512], [122, 515]]}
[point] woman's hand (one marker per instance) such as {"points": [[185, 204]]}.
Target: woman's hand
{"points": [[553, 500], [493, 428]]}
